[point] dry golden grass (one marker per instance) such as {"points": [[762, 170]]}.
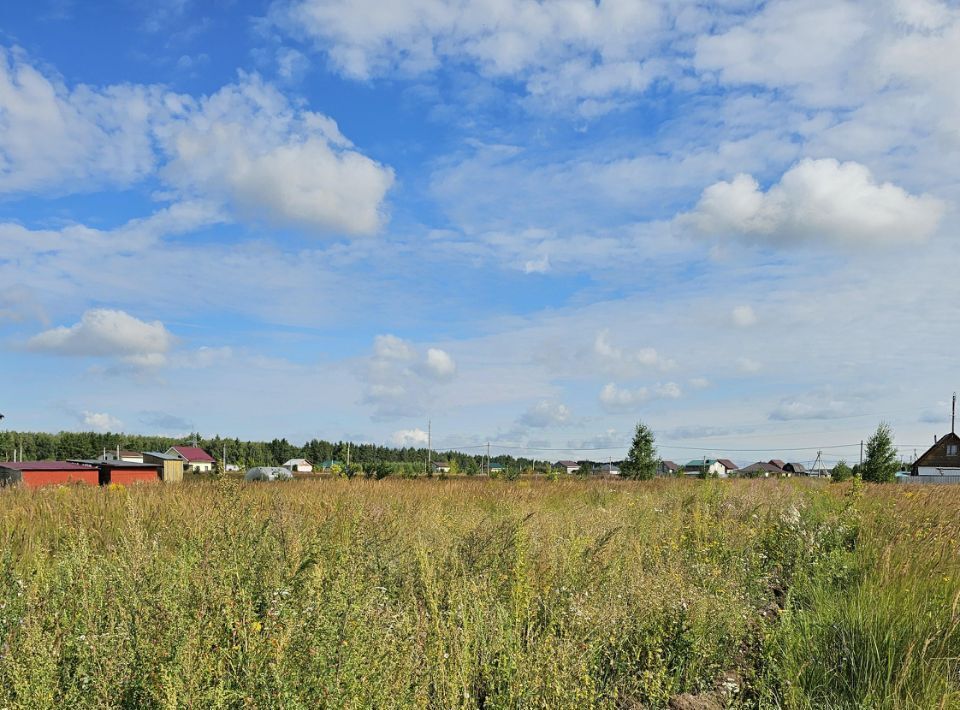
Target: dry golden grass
{"points": [[478, 593]]}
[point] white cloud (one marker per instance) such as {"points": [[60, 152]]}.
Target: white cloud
{"points": [[410, 437], [545, 414], [699, 382], [246, 146], [618, 399], [537, 266], [108, 333], [250, 147], [821, 404], [53, 138], [748, 365], [619, 360], [578, 49], [743, 316], [439, 364], [101, 421], [816, 200], [400, 380]]}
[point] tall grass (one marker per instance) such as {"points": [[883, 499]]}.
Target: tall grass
{"points": [[473, 594]]}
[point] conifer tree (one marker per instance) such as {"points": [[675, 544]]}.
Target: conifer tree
{"points": [[641, 461]]}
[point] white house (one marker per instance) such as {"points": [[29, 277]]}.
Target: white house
{"points": [[568, 466], [194, 458], [298, 466], [441, 467]]}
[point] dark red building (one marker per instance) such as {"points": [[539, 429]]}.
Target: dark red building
{"points": [[34, 474]]}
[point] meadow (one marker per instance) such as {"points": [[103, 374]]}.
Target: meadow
{"points": [[481, 594]]}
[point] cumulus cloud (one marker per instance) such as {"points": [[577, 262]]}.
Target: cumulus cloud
{"points": [[410, 437], [545, 414], [108, 333], [245, 146], [101, 421], [620, 399], [61, 139], [816, 201], [743, 316], [250, 147], [400, 379], [439, 364]]}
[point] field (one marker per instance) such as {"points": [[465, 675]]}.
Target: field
{"points": [[496, 594]]}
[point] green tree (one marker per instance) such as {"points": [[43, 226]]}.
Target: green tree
{"points": [[841, 472], [880, 463], [641, 461]]}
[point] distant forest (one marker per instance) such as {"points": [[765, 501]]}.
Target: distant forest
{"points": [[74, 445]]}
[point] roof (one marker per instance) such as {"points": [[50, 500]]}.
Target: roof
{"points": [[161, 455], [777, 462], [765, 466], [496, 465], [797, 467], [297, 462], [697, 463], [568, 464], [728, 464], [45, 466], [114, 463], [666, 463], [329, 463], [193, 453]]}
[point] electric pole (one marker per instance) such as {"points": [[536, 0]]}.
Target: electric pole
{"points": [[429, 446], [488, 459]]}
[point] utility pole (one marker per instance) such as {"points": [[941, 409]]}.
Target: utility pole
{"points": [[861, 457], [953, 415], [488, 459], [429, 446], [348, 455]]}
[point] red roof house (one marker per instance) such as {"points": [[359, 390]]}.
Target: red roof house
{"points": [[193, 457], [34, 474]]}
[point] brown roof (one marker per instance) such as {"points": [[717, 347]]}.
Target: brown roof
{"points": [[669, 465], [776, 462], [760, 466], [728, 464]]}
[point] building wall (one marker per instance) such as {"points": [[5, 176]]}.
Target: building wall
{"points": [[199, 467], [128, 476], [933, 471], [173, 471], [36, 479]]}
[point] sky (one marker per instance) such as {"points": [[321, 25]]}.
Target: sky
{"points": [[528, 223]]}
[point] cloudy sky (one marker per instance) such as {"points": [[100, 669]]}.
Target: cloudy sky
{"points": [[532, 223]]}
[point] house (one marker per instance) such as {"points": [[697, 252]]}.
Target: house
{"points": [[298, 466], [126, 473], [760, 469], [194, 458], [797, 469], [567, 466], [231, 468], [171, 466], [122, 455], [609, 469], [329, 464], [496, 468], [33, 474], [441, 467], [777, 462], [667, 468], [729, 465], [712, 467], [941, 459]]}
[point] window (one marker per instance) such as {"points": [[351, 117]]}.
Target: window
{"points": [[952, 449]]}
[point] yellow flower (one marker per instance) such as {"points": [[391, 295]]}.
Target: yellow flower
{"points": [[256, 626]]}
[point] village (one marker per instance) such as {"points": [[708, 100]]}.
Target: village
{"points": [[939, 464]]}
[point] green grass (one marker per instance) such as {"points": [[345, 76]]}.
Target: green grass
{"points": [[467, 593]]}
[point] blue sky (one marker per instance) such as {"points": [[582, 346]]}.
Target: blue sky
{"points": [[531, 223]]}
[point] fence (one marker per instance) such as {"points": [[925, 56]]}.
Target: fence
{"points": [[929, 479]]}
